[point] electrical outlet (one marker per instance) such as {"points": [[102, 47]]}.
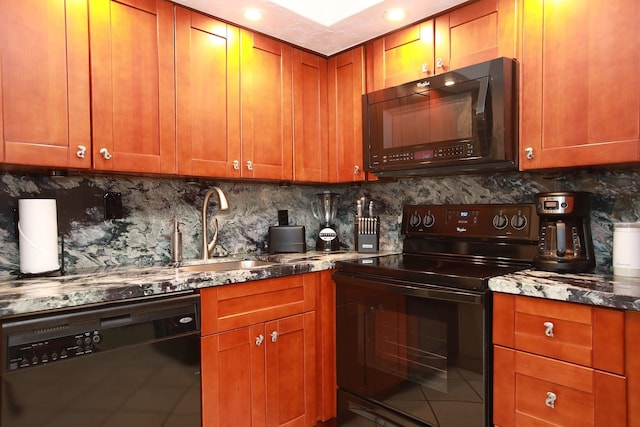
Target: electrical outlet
{"points": [[112, 205]]}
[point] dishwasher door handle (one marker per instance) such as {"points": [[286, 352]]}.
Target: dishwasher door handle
{"points": [[114, 322]]}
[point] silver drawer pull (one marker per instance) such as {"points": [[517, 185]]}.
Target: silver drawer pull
{"points": [[274, 336], [549, 329], [259, 340], [551, 400]]}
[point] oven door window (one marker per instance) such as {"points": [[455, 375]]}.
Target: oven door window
{"points": [[421, 357]]}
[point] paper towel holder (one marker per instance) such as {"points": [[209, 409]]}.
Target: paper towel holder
{"points": [[60, 271]]}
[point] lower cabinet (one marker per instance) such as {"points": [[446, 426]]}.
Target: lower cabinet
{"points": [[260, 353], [557, 364]]}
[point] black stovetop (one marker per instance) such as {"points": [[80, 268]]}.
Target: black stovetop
{"points": [[457, 246], [421, 270]]}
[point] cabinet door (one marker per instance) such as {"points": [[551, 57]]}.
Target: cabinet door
{"points": [[632, 368], [479, 32], [402, 56], [346, 85], [579, 108], [233, 378], [291, 371], [208, 95], [265, 80], [310, 134], [133, 85], [44, 83]]}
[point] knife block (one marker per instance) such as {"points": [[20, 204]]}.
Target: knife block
{"points": [[367, 234]]}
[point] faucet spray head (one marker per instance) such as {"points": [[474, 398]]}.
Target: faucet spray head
{"points": [[224, 204]]}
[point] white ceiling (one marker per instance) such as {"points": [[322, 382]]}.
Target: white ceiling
{"points": [[341, 23]]}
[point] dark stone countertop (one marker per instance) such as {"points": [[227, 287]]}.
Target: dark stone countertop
{"points": [[601, 290], [110, 284]]}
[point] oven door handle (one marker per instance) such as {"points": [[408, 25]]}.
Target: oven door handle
{"points": [[406, 288]]}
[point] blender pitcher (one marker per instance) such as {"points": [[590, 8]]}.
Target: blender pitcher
{"points": [[324, 209]]}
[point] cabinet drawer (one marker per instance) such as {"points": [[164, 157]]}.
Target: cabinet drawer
{"points": [[552, 392], [576, 333], [234, 306]]}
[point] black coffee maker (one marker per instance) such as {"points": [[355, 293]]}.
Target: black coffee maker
{"points": [[565, 244]]}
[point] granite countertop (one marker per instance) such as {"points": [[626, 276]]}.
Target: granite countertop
{"points": [[601, 290], [109, 284]]}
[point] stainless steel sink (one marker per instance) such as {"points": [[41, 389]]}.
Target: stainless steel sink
{"points": [[246, 264]]}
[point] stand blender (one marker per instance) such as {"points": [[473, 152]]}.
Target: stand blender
{"points": [[324, 209]]}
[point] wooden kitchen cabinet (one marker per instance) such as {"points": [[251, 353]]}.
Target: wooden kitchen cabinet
{"points": [[207, 95], [557, 363], [632, 350], [402, 56], [346, 87], [259, 353], [310, 118], [132, 85], [44, 84], [477, 32], [580, 83], [266, 108]]}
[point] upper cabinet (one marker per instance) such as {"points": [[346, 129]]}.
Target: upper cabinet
{"points": [[580, 83], [133, 85], [44, 83], [207, 94], [266, 103], [310, 134], [474, 33], [346, 86], [478, 32], [400, 57]]}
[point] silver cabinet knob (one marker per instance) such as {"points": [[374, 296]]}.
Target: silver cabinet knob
{"points": [[425, 68], [550, 401], [259, 340], [356, 169], [249, 165], [529, 153], [439, 63], [82, 150], [548, 328], [236, 165], [106, 154], [274, 336]]}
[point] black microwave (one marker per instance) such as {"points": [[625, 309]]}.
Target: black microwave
{"points": [[460, 121]]}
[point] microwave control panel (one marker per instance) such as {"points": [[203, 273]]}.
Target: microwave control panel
{"points": [[434, 153]]}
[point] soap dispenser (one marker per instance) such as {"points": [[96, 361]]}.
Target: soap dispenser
{"points": [[176, 243]]}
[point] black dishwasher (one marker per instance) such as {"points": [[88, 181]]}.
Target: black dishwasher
{"points": [[127, 364]]}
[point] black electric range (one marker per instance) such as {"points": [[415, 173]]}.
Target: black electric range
{"points": [[413, 330]]}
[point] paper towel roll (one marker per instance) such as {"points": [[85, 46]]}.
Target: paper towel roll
{"points": [[38, 235]]}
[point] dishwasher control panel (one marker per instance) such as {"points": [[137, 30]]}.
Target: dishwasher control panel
{"points": [[51, 350], [32, 341]]}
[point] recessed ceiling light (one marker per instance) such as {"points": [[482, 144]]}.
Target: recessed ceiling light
{"points": [[253, 14], [395, 14]]}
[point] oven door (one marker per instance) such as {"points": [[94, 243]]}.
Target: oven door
{"points": [[411, 354]]}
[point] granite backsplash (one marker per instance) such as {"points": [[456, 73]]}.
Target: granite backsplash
{"points": [[150, 205]]}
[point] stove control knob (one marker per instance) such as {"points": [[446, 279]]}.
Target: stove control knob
{"points": [[519, 221], [429, 220], [414, 220], [500, 221]]}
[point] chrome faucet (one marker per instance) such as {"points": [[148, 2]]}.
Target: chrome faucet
{"points": [[208, 247]]}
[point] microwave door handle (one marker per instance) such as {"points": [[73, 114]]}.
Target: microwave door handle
{"points": [[483, 90]]}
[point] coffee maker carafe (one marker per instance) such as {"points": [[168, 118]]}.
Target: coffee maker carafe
{"points": [[324, 209], [565, 244]]}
